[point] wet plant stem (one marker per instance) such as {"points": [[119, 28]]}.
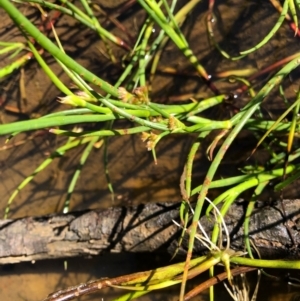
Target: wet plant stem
{"points": [[239, 120], [261, 263]]}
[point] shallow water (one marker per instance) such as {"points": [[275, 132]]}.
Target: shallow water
{"points": [[135, 177], [33, 282]]}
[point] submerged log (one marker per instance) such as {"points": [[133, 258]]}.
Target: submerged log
{"points": [[145, 228]]}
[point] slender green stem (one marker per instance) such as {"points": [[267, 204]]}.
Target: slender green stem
{"points": [[272, 32], [248, 214], [155, 12], [85, 154], [261, 263], [240, 120], [41, 123], [103, 133], [57, 153]]}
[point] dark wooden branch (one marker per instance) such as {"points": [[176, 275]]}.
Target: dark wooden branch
{"points": [[146, 228]]}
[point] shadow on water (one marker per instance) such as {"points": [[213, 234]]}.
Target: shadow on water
{"points": [[39, 279], [134, 176]]}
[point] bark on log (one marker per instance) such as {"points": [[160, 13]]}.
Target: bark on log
{"points": [[145, 228]]}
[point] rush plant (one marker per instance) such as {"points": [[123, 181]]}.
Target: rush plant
{"points": [[130, 98]]}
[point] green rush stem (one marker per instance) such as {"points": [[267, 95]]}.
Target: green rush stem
{"points": [[59, 120], [74, 112], [77, 172], [104, 133], [231, 195], [105, 160], [210, 261], [249, 211], [160, 136], [282, 94], [126, 105], [248, 182], [210, 20], [287, 181], [187, 177], [9, 47], [157, 109], [142, 52], [223, 211], [294, 13], [157, 48], [173, 22], [234, 192], [78, 14], [55, 80], [100, 30], [8, 69], [59, 152], [134, 59], [152, 284], [191, 107], [276, 124], [261, 263], [127, 70], [155, 12], [279, 158], [254, 180], [189, 169], [77, 100], [208, 125], [273, 30], [205, 104], [71, 116], [41, 39], [133, 79], [167, 110], [252, 124], [224, 182], [79, 82], [293, 124], [41, 123], [240, 120], [189, 164], [133, 118], [97, 26]]}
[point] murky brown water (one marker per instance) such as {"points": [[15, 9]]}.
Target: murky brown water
{"points": [[134, 176], [33, 282]]}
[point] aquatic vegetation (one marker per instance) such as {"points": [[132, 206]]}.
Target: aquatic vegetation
{"points": [[130, 98]]}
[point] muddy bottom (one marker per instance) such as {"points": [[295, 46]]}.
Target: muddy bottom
{"points": [[133, 174]]}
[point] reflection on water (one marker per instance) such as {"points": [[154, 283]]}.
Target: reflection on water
{"points": [[33, 282]]}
